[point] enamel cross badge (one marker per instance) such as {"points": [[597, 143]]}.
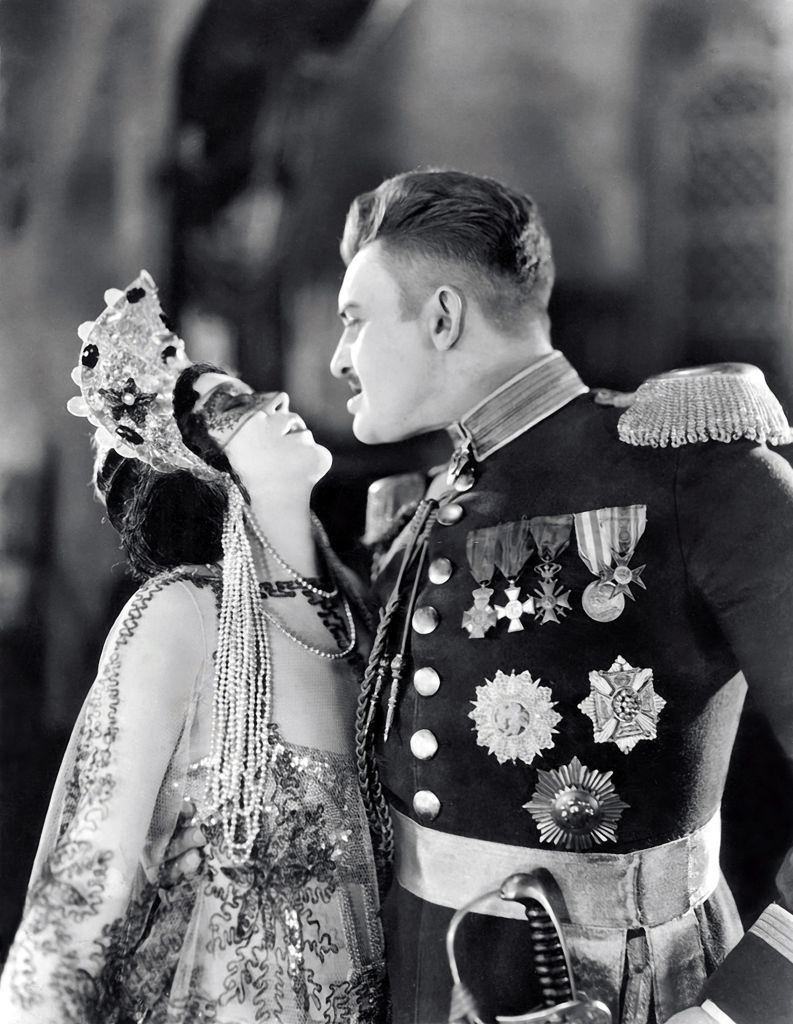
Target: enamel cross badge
{"points": [[623, 705], [514, 717]]}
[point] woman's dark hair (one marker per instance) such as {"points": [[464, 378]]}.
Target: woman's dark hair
{"points": [[168, 519]]}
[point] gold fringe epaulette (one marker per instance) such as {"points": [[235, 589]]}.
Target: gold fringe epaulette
{"points": [[720, 402]]}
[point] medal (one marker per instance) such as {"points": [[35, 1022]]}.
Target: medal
{"points": [[481, 617], [601, 603], [551, 536], [607, 539], [513, 552], [576, 807], [480, 550], [514, 717], [623, 705]]}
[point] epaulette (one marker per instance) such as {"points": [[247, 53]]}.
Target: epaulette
{"points": [[720, 402], [387, 502]]}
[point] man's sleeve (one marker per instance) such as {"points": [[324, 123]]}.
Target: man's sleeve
{"points": [[735, 517]]}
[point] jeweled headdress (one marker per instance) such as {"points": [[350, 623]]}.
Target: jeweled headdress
{"points": [[129, 363]]}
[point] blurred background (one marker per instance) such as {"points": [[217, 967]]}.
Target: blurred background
{"points": [[218, 143]]}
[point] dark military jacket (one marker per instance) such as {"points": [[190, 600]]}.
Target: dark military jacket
{"points": [[713, 616]]}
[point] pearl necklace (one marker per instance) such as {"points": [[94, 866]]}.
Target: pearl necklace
{"points": [[256, 530], [242, 699], [335, 655]]}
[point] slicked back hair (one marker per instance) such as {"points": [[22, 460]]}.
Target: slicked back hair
{"points": [[448, 227]]}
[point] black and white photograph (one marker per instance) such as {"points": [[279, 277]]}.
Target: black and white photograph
{"points": [[396, 512]]}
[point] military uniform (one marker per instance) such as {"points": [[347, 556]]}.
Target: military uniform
{"points": [[587, 726]]}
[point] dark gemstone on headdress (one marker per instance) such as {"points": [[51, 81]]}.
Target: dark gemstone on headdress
{"points": [[135, 294], [167, 323], [129, 401], [128, 434], [168, 352], [90, 356]]}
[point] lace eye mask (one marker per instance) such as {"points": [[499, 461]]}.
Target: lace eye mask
{"points": [[225, 411]]}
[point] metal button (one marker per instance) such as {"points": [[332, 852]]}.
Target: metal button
{"points": [[464, 482], [426, 681], [425, 619], [423, 744], [440, 570], [450, 514], [426, 805]]}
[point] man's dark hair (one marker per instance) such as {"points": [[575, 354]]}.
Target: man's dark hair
{"points": [[447, 227], [168, 519]]}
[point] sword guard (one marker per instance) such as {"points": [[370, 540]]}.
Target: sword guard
{"points": [[533, 890]]}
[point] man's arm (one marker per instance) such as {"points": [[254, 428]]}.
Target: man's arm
{"points": [[735, 517]]}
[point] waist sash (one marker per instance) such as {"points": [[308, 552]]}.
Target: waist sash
{"points": [[641, 889]]}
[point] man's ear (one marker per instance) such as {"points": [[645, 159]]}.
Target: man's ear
{"points": [[446, 317]]}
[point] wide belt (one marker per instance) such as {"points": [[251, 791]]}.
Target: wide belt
{"points": [[641, 889]]}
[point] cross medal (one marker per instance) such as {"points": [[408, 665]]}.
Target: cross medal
{"points": [[513, 553], [480, 549]]}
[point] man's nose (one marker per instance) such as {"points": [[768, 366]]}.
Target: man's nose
{"points": [[340, 364]]}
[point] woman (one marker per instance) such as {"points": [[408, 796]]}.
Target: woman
{"points": [[230, 685]]}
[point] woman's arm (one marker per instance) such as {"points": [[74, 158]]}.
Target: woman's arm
{"points": [[108, 822]]}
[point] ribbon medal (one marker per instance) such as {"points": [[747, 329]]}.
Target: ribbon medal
{"points": [[607, 539], [623, 705], [551, 536], [513, 552], [480, 550], [514, 717]]}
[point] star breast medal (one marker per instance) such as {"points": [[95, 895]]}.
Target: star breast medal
{"points": [[623, 705], [576, 807], [514, 717]]}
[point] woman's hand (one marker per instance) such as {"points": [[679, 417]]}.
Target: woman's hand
{"points": [[185, 850]]}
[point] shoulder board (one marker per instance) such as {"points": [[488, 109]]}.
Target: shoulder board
{"points": [[720, 402], [386, 500]]}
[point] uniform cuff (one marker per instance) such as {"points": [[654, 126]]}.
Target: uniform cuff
{"points": [[754, 985]]}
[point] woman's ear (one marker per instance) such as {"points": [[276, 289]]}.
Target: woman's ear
{"points": [[446, 314]]}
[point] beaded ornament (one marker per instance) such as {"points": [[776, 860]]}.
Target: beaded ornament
{"points": [[719, 402]]}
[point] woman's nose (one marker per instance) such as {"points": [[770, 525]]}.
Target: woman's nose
{"points": [[279, 402]]}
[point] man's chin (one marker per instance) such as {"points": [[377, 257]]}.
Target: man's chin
{"points": [[374, 433]]}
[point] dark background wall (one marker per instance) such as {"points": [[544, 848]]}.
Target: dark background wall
{"points": [[218, 143]]}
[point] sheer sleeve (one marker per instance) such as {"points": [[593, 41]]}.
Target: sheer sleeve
{"points": [[112, 813]]}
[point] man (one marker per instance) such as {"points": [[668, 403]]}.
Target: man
{"points": [[569, 616]]}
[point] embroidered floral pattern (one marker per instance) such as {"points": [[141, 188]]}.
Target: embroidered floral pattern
{"points": [[291, 936]]}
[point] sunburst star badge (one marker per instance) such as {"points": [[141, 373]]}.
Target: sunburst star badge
{"points": [[576, 807], [514, 717], [623, 705]]}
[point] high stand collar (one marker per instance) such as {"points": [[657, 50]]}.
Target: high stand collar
{"points": [[533, 394]]}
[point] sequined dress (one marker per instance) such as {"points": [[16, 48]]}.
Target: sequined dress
{"points": [[291, 935]]}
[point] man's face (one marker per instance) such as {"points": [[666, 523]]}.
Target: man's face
{"points": [[385, 358]]}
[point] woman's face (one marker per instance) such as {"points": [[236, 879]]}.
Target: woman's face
{"points": [[257, 431]]}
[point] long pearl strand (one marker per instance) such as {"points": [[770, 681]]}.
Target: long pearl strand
{"points": [[242, 700]]}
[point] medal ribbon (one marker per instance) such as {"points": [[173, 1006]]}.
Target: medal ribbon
{"points": [[623, 528], [514, 548], [551, 535], [480, 550], [604, 532]]}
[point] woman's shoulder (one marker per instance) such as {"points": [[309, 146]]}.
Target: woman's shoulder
{"points": [[171, 607]]}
